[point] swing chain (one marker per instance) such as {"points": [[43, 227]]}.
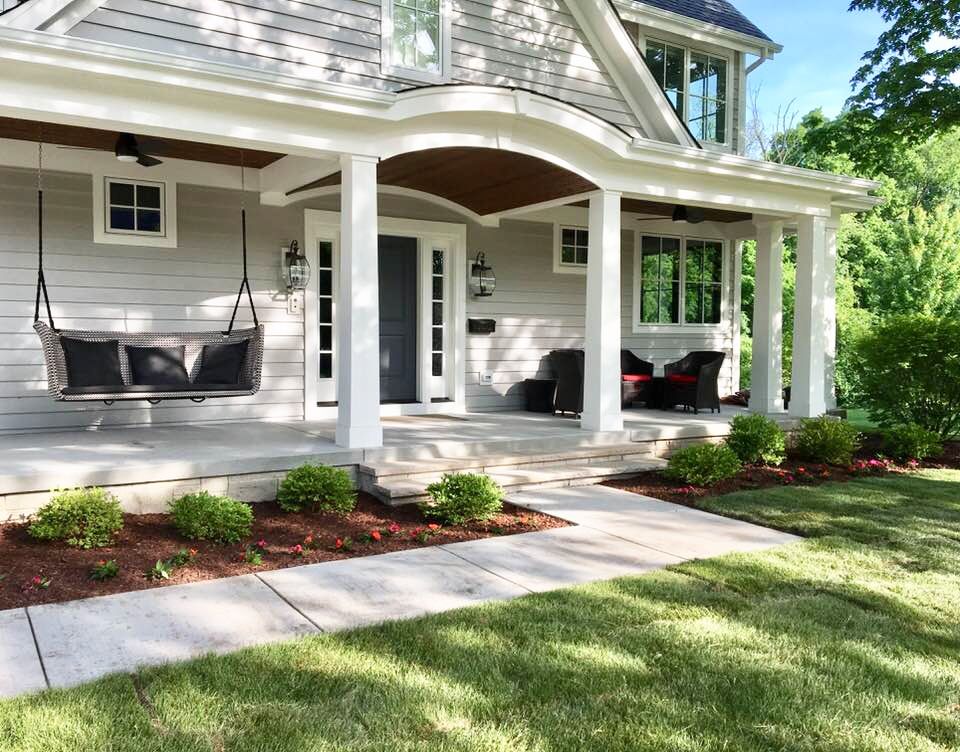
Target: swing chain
{"points": [[41, 279], [243, 236]]}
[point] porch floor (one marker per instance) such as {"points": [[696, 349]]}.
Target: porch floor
{"points": [[150, 454]]}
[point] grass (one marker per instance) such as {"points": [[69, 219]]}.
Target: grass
{"points": [[860, 419], [845, 642]]}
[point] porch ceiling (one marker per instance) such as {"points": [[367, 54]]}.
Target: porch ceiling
{"points": [[486, 181], [93, 138]]}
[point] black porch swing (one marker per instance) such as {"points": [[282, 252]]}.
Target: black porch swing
{"points": [[102, 366]]}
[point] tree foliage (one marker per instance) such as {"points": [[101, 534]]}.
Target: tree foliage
{"points": [[908, 84]]}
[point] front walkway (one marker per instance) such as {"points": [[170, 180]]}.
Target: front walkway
{"points": [[617, 533]]}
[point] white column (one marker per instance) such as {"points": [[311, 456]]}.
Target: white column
{"points": [[830, 314], [601, 378], [358, 308], [766, 387], [735, 312], [807, 393]]}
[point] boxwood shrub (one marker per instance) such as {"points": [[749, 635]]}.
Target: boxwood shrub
{"points": [[757, 439], [321, 488], [463, 497], [80, 517], [703, 464], [827, 440], [205, 516], [911, 441]]}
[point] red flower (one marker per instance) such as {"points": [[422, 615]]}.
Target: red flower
{"points": [[308, 541], [394, 528], [339, 543], [297, 549], [434, 526], [193, 552], [37, 580], [375, 535], [261, 543]]}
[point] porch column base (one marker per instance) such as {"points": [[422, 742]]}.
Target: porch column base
{"points": [[602, 378], [360, 437]]}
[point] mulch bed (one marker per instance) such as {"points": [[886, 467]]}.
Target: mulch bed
{"points": [[793, 472], [147, 538]]}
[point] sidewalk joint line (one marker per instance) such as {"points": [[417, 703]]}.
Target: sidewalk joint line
{"points": [[281, 597], [484, 569], [36, 645]]}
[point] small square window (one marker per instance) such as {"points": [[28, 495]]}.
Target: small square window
{"points": [[134, 208], [572, 250]]}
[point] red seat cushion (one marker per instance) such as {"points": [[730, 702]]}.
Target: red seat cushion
{"points": [[682, 378], [636, 378]]}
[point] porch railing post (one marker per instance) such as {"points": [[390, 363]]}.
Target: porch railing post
{"points": [[358, 309], [602, 378], [807, 391], [766, 377]]}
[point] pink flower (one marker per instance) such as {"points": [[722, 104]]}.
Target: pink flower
{"points": [[394, 528], [37, 580], [261, 543], [297, 550]]}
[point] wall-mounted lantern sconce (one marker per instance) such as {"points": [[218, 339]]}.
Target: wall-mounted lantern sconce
{"points": [[296, 268], [482, 279]]}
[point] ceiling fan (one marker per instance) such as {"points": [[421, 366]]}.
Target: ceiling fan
{"points": [[128, 148], [691, 214]]}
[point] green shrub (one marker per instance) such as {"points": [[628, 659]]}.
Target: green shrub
{"points": [[703, 464], [325, 489], [463, 497], [827, 440], [204, 516], [911, 441], [81, 517], [910, 373], [757, 438]]}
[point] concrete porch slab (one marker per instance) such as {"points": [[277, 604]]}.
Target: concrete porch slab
{"points": [[659, 525], [20, 669], [84, 640], [561, 557], [401, 585]]}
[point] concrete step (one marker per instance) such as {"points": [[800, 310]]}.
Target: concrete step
{"points": [[400, 470], [409, 490]]}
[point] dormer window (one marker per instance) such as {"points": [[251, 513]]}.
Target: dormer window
{"points": [[696, 85], [416, 39]]}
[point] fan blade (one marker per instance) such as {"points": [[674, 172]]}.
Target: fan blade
{"points": [[81, 148], [145, 160]]}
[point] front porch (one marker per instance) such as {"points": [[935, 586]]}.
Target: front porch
{"points": [[147, 466]]}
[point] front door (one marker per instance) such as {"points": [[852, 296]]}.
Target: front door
{"points": [[398, 318]]}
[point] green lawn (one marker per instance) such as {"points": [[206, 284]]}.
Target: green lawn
{"points": [[847, 641], [860, 419]]}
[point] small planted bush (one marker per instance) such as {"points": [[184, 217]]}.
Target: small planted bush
{"points": [[463, 497], [827, 440], [321, 488], [912, 442], [703, 464], [757, 439], [80, 517], [205, 516]]}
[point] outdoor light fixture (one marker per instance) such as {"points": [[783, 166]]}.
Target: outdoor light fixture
{"points": [[296, 268], [482, 279]]}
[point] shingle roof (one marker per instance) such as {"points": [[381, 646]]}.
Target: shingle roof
{"points": [[718, 12]]}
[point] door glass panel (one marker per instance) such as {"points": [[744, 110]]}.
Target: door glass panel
{"points": [[325, 306], [437, 306]]}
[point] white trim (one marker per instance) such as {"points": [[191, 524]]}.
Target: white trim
{"points": [[638, 327], [167, 238], [325, 225], [559, 267], [390, 68]]}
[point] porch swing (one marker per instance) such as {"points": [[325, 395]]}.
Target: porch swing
{"points": [[103, 366]]}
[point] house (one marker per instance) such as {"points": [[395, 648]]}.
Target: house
{"points": [[592, 151]]}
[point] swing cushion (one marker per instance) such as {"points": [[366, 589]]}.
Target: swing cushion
{"points": [[157, 366], [220, 364], [92, 363]]}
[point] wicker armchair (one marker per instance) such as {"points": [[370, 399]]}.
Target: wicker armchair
{"points": [[567, 365], [637, 378], [692, 382]]}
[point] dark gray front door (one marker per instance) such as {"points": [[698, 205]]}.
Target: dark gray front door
{"points": [[398, 319]]}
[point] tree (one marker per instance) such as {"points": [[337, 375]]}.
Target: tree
{"points": [[909, 84]]}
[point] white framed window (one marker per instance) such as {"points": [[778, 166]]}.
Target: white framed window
{"points": [[134, 212], [570, 249], [416, 39], [697, 85], [678, 281]]}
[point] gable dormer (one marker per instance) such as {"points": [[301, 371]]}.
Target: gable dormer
{"points": [[701, 53]]}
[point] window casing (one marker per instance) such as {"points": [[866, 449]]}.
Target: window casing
{"points": [[696, 83], [131, 211], [416, 39], [678, 281], [571, 249]]}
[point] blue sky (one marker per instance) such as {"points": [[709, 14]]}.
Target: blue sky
{"points": [[822, 46]]}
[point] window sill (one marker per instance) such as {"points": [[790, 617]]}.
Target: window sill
{"points": [[567, 269], [411, 75]]}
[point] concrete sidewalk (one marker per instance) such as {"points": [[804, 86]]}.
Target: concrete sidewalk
{"points": [[617, 533]]}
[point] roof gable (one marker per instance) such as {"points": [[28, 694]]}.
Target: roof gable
{"points": [[717, 12]]}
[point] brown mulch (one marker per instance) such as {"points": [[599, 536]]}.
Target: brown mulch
{"points": [[793, 472], [150, 537]]}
